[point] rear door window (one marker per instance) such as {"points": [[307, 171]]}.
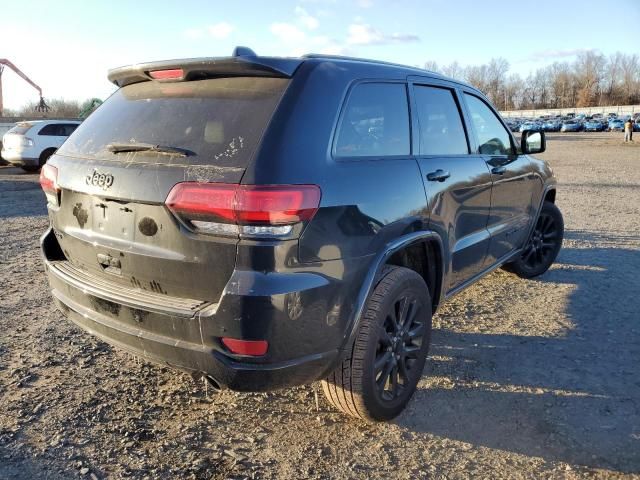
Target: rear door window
{"points": [[441, 128], [375, 122], [218, 121], [492, 137]]}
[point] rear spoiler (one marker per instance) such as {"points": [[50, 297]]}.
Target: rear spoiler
{"points": [[201, 68]]}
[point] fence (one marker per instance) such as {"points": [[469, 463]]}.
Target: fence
{"points": [[617, 109]]}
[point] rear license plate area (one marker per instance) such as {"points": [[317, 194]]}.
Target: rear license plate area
{"points": [[114, 219]]}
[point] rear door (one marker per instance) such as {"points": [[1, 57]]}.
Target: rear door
{"points": [[52, 135], [457, 182], [112, 221], [513, 180]]}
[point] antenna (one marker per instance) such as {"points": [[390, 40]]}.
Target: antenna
{"points": [[243, 52]]}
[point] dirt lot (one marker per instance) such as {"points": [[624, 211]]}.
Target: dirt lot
{"points": [[528, 379]]}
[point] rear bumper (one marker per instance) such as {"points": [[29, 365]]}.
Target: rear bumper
{"points": [[18, 158], [295, 313], [196, 358]]}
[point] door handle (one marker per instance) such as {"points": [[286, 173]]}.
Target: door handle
{"points": [[438, 176], [499, 170]]}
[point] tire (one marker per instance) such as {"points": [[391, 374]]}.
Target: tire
{"points": [[44, 156], [376, 354], [543, 246]]}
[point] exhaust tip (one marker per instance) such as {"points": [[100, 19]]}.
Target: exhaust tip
{"points": [[213, 383]]}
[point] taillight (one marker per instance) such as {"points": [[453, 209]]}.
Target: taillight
{"points": [[170, 74], [254, 348], [230, 209], [49, 183]]}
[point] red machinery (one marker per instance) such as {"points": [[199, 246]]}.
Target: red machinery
{"points": [[41, 106]]}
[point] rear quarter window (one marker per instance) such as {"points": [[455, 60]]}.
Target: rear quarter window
{"points": [[375, 122], [52, 130], [220, 121], [68, 128]]}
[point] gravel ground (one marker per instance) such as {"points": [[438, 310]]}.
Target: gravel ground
{"points": [[535, 379]]}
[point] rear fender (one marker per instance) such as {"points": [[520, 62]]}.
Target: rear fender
{"points": [[373, 277]]}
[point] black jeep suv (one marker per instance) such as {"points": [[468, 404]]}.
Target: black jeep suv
{"points": [[268, 222]]}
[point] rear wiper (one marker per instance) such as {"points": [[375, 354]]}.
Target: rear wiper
{"points": [[147, 147]]}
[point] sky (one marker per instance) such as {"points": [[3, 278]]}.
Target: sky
{"points": [[67, 46]]}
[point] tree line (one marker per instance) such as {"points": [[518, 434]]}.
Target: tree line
{"points": [[58, 108], [591, 80]]}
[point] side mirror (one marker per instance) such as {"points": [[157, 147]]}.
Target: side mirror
{"points": [[533, 142]]}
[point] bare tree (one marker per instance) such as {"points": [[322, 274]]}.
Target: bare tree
{"points": [[514, 90], [477, 75], [453, 70], [612, 79], [630, 70], [432, 66], [589, 69], [496, 79]]}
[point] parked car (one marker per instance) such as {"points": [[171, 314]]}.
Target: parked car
{"points": [[594, 126], [531, 126], [30, 144], [513, 125], [551, 126], [616, 125], [205, 217], [636, 125], [571, 126]]}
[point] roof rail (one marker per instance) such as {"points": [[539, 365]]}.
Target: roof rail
{"points": [[364, 60]]}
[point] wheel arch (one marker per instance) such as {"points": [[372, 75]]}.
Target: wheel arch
{"points": [[425, 258], [46, 153], [397, 252], [550, 194]]}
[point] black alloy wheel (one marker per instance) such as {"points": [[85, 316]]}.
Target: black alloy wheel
{"points": [[543, 245], [398, 348], [378, 376]]}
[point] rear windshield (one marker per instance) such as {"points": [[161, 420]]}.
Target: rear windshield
{"points": [[218, 121], [21, 128]]}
